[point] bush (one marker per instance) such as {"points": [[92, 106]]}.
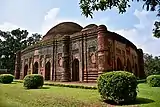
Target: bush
{"points": [[33, 81], [118, 86], [153, 80], [6, 78]]}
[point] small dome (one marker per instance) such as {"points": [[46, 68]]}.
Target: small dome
{"points": [[90, 26], [63, 28]]}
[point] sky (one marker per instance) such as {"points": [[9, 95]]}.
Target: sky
{"points": [[38, 16]]}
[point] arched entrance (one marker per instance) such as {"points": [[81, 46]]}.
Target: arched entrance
{"points": [[136, 70], [47, 70], [119, 64], [129, 69], [75, 70], [25, 70], [35, 68]]}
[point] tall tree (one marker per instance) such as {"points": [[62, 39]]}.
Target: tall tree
{"points": [[151, 64], [10, 43], [89, 6], [34, 39]]}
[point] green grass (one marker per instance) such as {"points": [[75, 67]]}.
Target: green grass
{"points": [[14, 95]]}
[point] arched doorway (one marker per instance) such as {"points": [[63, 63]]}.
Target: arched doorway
{"points": [[47, 70], [119, 64], [129, 69], [25, 70], [136, 70], [35, 68], [75, 70]]}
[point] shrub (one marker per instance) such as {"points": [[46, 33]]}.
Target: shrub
{"points": [[6, 78], [118, 86], [153, 80], [33, 81]]}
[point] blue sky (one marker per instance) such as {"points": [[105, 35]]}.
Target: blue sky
{"points": [[41, 15]]}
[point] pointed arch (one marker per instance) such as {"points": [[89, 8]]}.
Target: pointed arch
{"points": [[136, 70], [35, 68], [47, 70], [75, 70], [119, 64], [129, 68], [25, 70]]}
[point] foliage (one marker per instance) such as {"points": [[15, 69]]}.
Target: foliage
{"points": [[153, 80], [10, 43], [151, 64], [33, 81], [6, 78], [141, 81], [89, 6], [33, 39], [118, 86], [156, 30]]}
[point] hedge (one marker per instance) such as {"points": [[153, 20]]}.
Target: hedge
{"points": [[153, 80], [118, 86], [33, 81], [6, 78]]}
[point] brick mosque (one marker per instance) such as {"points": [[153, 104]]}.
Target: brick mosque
{"points": [[69, 52]]}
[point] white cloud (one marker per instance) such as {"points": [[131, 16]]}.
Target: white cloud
{"points": [[6, 26], [51, 14], [141, 35], [51, 19]]}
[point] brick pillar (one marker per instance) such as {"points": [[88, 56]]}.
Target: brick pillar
{"points": [[66, 68], [17, 65], [102, 49], [141, 73]]}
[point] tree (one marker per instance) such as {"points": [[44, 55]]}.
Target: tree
{"points": [[34, 39], [12, 42], [151, 64], [89, 6], [156, 30]]}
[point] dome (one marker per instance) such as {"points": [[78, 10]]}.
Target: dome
{"points": [[63, 29], [90, 26]]}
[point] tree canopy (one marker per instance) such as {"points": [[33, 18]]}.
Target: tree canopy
{"points": [[89, 6], [151, 64], [11, 42]]}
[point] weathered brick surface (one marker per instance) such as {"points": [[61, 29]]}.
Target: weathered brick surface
{"points": [[95, 48]]}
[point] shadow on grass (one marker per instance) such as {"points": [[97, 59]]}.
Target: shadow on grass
{"points": [[37, 88], [139, 100], [44, 88]]}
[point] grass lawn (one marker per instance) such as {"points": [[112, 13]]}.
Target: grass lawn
{"points": [[14, 95]]}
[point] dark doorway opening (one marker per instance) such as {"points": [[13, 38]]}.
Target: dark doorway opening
{"points": [[119, 65], [136, 70], [75, 70], [25, 70], [35, 68], [129, 69], [47, 70]]}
